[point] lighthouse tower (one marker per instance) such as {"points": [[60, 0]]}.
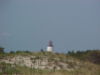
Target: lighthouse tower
{"points": [[50, 46]]}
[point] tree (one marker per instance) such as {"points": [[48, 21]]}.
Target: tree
{"points": [[11, 52], [1, 50], [94, 56], [42, 50]]}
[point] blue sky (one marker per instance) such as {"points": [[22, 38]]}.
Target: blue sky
{"points": [[30, 24]]}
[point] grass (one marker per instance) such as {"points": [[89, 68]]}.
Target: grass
{"points": [[87, 69]]}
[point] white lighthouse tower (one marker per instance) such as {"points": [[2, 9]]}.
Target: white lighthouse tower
{"points": [[50, 46]]}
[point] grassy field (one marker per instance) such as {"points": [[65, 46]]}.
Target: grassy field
{"points": [[87, 69], [90, 61]]}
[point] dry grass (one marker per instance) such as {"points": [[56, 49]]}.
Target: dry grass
{"points": [[86, 69]]}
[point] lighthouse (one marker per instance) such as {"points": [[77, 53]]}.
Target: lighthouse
{"points": [[50, 46]]}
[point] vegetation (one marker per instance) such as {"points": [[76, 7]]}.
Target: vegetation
{"points": [[1, 50], [8, 69], [90, 69], [89, 58], [89, 55]]}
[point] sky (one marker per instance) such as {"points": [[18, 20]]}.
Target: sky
{"points": [[30, 24]]}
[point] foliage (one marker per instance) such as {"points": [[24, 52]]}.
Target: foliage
{"points": [[87, 68], [7, 69], [1, 50], [89, 55]]}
